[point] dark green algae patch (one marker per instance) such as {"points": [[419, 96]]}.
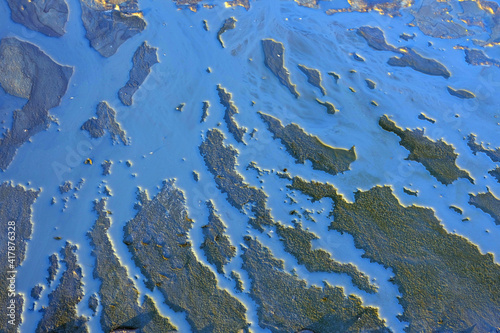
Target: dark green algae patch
{"points": [[157, 239], [437, 157], [61, 314], [303, 146], [15, 205], [118, 295], [230, 112], [274, 59], [286, 304], [488, 203], [447, 285], [221, 161], [216, 245]]}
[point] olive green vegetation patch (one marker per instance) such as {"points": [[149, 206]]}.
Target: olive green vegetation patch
{"points": [[445, 282]]}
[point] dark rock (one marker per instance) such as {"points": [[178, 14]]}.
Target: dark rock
{"points": [[157, 238], [290, 305], [196, 176], [47, 17], [61, 313], [493, 154], [144, 58], [488, 203], [313, 77], [460, 93], [15, 217], [119, 297], [205, 25], [231, 110], [216, 245], [109, 25], [105, 121], [274, 59], [228, 24], [437, 157], [433, 268], [303, 146], [28, 72]]}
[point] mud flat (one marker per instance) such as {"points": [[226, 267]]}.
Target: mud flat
{"points": [[433, 269], [47, 17], [437, 157], [157, 239], [28, 72], [109, 23], [118, 295], [144, 58], [274, 59]]}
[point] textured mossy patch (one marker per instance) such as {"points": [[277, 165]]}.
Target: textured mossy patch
{"points": [[313, 77], [118, 295], [488, 203], [144, 58], [493, 154], [286, 304], [61, 313], [216, 245], [105, 121], [297, 242], [460, 93], [495, 173], [303, 146], [231, 110], [438, 157], [330, 108], [15, 220], [158, 241], [274, 59], [447, 285], [221, 162]]}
